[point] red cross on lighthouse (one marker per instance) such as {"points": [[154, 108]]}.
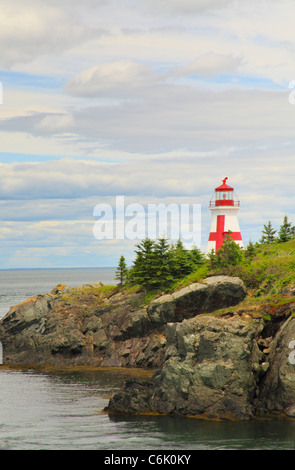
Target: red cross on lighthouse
{"points": [[220, 233], [224, 207]]}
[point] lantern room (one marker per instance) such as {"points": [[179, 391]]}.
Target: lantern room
{"points": [[224, 196]]}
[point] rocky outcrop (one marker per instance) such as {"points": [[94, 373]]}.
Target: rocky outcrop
{"points": [[98, 325], [211, 369], [89, 325], [221, 368]]}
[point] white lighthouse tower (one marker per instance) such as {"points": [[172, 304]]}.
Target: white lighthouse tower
{"points": [[224, 206]]}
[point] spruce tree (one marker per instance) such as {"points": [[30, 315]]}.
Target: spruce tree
{"points": [[268, 234], [250, 251], [162, 264], [230, 253], [197, 256], [182, 260], [121, 271], [286, 231], [212, 259], [143, 268]]}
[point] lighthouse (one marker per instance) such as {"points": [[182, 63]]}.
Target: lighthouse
{"points": [[224, 206]]}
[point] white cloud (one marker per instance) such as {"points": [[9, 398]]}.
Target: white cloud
{"points": [[184, 6], [170, 118], [114, 79], [72, 180], [127, 79], [55, 123], [31, 29], [209, 65]]}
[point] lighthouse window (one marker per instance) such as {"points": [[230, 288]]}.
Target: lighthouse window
{"points": [[224, 195]]}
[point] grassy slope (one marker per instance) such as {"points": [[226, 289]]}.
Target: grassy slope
{"points": [[267, 276]]}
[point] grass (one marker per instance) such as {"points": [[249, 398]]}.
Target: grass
{"points": [[196, 276], [88, 293], [270, 271]]}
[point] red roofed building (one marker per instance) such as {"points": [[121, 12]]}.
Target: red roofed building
{"points": [[224, 206]]}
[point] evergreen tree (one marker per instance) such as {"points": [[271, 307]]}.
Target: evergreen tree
{"points": [[250, 251], [182, 260], [197, 256], [143, 269], [230, 253], [121, 271], [268, 234], [162, 264], [212, 259], [286, 231]]}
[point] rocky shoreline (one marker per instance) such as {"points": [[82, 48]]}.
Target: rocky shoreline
{"points": [[212, 359]]}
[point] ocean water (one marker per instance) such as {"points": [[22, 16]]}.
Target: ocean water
{"points": [[63, 410], [17, 285]]}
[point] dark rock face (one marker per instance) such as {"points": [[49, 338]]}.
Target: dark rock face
{"points": [[278, 387], [221, 368], [211, 369], [81, 326]]}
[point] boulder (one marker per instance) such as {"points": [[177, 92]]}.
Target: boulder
{"points": [[214, 293]]}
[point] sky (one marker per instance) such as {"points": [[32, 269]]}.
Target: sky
{"points": [[152, 100]]}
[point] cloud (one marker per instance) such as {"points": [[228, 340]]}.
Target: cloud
{"points": [[114, 79], [46, 233], [170, 118], [209, 65], [192, 177], [29, 30], [184, 6], [55, 123], [129, 80]]}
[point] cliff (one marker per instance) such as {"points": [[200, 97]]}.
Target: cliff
{"points": [[100, 325], [214, 356], [89, 325]]}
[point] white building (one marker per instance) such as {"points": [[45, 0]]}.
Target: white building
{"points": [[224, 206]]}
